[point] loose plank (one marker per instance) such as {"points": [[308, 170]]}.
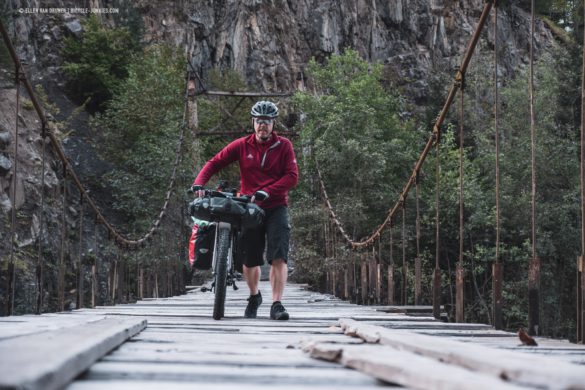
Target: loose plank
{"points": [[523, 369], [51, 359], [406, 368]]}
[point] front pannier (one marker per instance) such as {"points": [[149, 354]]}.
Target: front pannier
{"points": [[203, 246]]}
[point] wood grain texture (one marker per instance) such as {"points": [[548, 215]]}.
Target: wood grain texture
{"points": [[49, 360]]}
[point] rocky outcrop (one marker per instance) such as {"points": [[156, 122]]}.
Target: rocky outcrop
{"points": [[269, 42]]}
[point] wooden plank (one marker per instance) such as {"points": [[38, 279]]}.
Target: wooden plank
{"points": [[225, 355], [209, 385], [18, 326], [50, 360], [537, 371], [307, 377], [406, 368]]}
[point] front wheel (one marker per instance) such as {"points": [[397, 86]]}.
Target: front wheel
{"points": [[221, 270]]}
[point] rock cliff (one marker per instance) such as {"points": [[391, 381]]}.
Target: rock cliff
{"points": [[269, 42]]}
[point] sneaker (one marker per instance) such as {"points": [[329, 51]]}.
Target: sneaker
{"points": [[253, 302], [278, 312]]}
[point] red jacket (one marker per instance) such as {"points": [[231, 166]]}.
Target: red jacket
{"points": [[270, 166]]}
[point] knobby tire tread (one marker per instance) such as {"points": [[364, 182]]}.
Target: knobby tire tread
{"points": [[223, 244]]}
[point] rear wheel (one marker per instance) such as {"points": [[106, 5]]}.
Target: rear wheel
{"points": [[222, 251]]}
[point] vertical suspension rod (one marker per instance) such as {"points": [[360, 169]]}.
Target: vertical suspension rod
{"points": [[459, 273], [404, 265], [12, 268], [581, 259], [40, 265], [497, 266], [534, 267], [437, 272]]}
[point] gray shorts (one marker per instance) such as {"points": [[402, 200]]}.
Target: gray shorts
{"points": [[274, 235]]}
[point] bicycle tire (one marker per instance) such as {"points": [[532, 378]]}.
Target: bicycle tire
{"points": [[223, 246]]}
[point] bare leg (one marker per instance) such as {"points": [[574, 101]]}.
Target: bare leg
{"points": [[252, 276], [278, 276]]}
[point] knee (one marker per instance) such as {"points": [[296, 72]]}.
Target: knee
{"points": [[278, 263]]}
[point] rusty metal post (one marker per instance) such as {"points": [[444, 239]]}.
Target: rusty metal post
{"points": [[404, 299], [94, 268], [346, 294], [417, 260], [40, 263], [534, 297], [497, 280], [80, 268], [364, 283], [581, 300], [352, 282], [437, 272], [459, 301], [61, 283], [391, 300], [372, 268]]}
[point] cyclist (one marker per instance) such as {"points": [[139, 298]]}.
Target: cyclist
{"points": [[268, 170]]}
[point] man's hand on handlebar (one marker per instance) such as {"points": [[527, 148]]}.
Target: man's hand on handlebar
{"points": [[198, 191], [259, 195]]}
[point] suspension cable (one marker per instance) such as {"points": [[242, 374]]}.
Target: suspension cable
{"points": [[433, 139]]}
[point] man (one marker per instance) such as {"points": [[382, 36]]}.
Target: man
{"points": [[268, 170]]}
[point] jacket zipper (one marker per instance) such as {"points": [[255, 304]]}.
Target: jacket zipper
{"points": [[266, 152]]}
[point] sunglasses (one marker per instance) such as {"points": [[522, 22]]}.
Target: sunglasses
{"points": [[263, 121]]}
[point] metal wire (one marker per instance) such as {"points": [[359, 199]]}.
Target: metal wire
{"points": [[12, 268], [434, 138]]}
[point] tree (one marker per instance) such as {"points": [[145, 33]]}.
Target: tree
{"points": [[352, 128], [140, 131], [97, 62]]}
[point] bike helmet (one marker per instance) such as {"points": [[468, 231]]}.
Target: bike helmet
{"points": [[264, 109]]}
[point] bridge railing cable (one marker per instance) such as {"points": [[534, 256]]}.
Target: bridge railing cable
{"points": [[118, 237], [433, 139], [123, 241]]}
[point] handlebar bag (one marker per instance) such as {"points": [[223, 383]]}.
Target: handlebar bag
{"points": [[199, 208], [226, 209]]}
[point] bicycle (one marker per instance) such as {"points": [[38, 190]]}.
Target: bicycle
{"points": [[231, 214]]}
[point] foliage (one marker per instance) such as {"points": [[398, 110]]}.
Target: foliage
{"points": [[557, 204], [365, 152], [140, 131], [97, 63], [568, 14]]}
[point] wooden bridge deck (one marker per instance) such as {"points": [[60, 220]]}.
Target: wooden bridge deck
{"points": [[174, 343]]}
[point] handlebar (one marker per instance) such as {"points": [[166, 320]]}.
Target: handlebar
{"points": [[220, 194]]}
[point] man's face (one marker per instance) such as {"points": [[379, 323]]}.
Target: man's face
{"points": [[263, 128]]}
